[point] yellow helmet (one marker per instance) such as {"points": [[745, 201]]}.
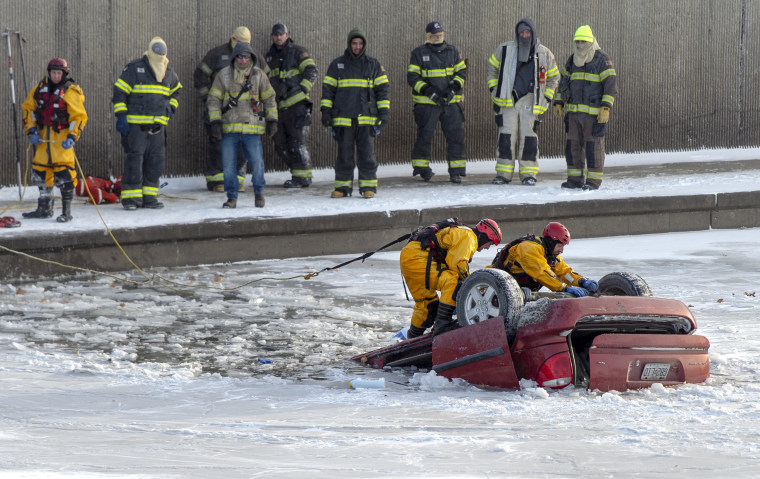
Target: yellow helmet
{"points": [[584, 34]]}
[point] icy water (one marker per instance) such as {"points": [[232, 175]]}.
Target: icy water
{"points": [[102, 378]]}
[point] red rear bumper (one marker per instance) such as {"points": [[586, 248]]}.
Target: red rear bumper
{"points": [[618, 361]]}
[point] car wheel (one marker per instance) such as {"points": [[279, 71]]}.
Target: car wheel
{"points": [[623, 284], [488, 293]]}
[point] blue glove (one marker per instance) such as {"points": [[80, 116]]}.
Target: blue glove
{"points": [[34, 138], [68, 143], [591, 285], [121, 125], [575, 291]]}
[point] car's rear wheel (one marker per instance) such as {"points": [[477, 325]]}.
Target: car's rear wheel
{"points": [[623, 284], [488, 293]]}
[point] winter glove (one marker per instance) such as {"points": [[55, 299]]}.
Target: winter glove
{"points": [[68, 143], [536, 126], [216, 129], [604, 115], [558, 110], [271, 128], [155, 129], [589, 284], [326, 118], [455, 86], [575, 291], [527, 294], [34, 138], [431, 92], [377, 127], [121, 125], [282, 91]]}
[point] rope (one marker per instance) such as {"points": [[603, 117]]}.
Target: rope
{"points": [[149, 278]]}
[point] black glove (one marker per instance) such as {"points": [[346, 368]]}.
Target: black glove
{"points": [[282, 91], [496, 108], [271, 128], [536, 125], [455, 86], [216, 129], [155, 129], [431, 92], [326, 118]]}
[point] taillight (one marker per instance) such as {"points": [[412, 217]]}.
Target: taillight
{"points": [[556, 372]]}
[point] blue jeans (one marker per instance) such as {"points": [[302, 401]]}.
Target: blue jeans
{"points": [[254, 154]]}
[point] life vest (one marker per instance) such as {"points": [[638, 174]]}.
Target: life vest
{"points": [[428, 240], [51, 106], [523, 279]]}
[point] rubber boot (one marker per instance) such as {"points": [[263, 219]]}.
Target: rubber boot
{"points": [[414, 332], [45, 204], [66, 197], [443, 320]]}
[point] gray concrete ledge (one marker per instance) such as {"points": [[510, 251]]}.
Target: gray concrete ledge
{"points": [[217, 241]]}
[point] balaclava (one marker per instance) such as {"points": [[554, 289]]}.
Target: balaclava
{"points": [[525, 45], [157, 57], [240, 73], [584, 52]]}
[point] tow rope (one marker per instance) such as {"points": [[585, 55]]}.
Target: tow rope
{"points": [[362, 257]]}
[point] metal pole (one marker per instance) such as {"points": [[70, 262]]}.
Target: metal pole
{"points": [[7, 34], [21, 42]]}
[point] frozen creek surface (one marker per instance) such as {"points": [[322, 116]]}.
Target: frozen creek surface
{"points": [[102, 378]]}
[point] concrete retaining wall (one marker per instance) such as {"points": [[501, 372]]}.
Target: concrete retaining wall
{"points": [[255, 239]]}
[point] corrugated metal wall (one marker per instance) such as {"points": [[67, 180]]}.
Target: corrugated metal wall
{"points": [[689, 73]]}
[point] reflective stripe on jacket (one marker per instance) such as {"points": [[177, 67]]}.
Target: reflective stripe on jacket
{"points": [[437, 68], [502, 65], [216, 59], [355, 89], [588, 88], [144, 99], [292, 66], [254, 107]]}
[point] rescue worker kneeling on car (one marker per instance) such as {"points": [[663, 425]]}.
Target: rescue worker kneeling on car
{"points": [[437, 259], [536, 262]]}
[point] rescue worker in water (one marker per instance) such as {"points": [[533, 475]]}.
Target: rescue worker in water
{"points": [[437, 259]]}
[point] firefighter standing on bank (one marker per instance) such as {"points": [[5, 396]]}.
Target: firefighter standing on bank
{"points": [[217, 58], [292, 73], [536, 262], [436, 74], [242, 108], [522, 78], [437, 259], [587, 92], [144, 99], [54, 117], [355, 105]]}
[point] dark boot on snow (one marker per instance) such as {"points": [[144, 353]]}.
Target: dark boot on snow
{"points": [[414, 332], [443, 320], [66, 197], [44, 209]]}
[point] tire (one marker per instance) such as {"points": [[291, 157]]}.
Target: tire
{"points": [[488, 293], [623, 284]]}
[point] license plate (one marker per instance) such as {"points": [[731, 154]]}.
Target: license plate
{"points": [[655, 371]]}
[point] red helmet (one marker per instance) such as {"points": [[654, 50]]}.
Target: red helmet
{"points": [[490, 228], [557, 232], [58, 64]]}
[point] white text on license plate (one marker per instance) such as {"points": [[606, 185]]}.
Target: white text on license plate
{"points": [[655, 371]]}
